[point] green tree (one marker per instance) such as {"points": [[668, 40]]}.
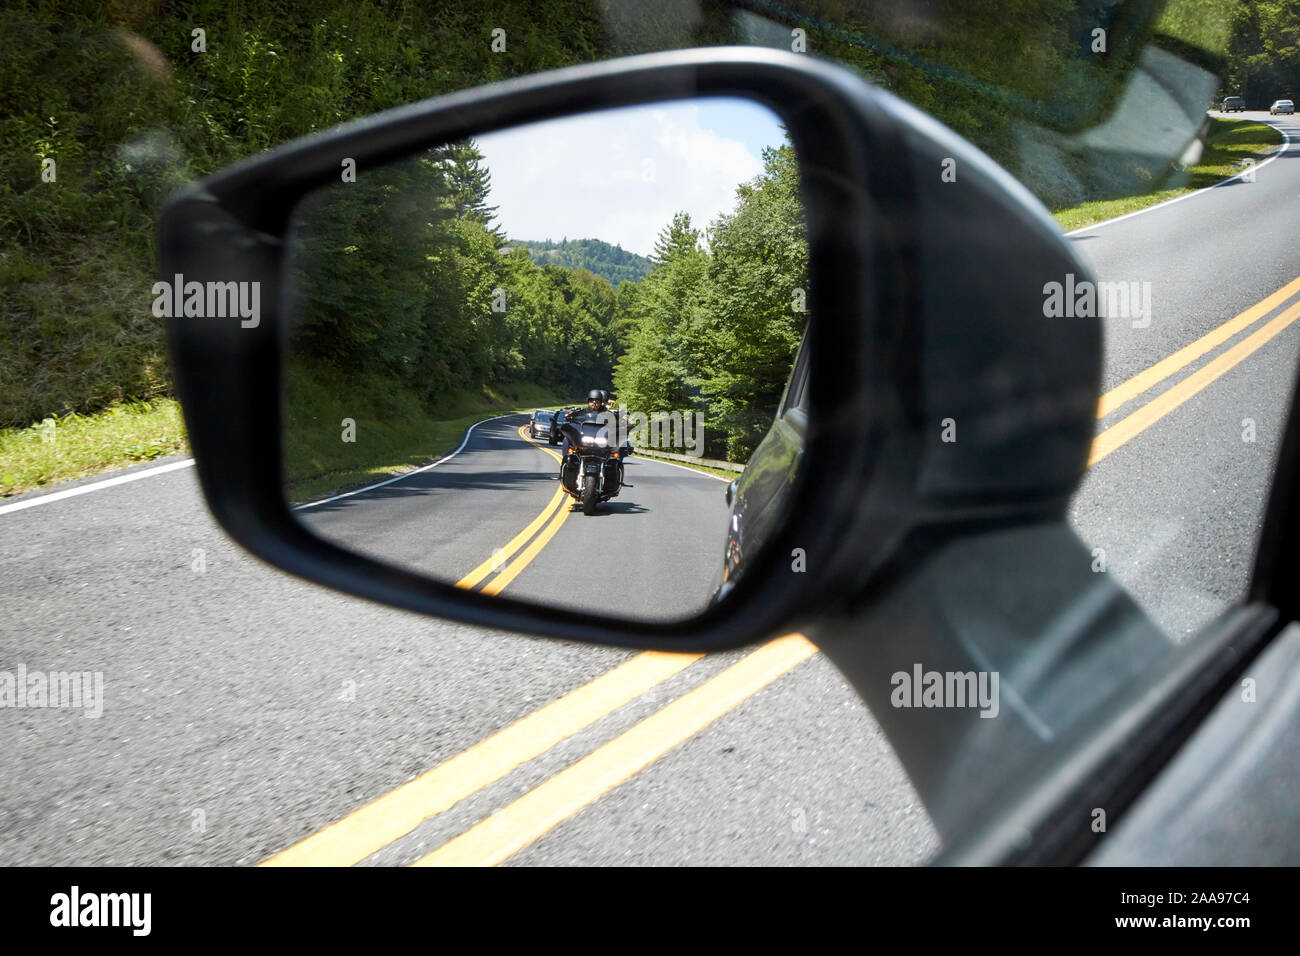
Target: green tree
{"points": [[716, 331], [1264, 52], [469, 184], [652, 376], [743, 341], [678, 238]]}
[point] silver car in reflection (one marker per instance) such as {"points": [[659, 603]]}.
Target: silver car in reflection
{"points": [[759, 496], [542, 423]]}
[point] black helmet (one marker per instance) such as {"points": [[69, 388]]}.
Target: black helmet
{"points": [[604, 396], [595, 395]]}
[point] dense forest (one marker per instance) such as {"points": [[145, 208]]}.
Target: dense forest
{"points": [[108, 107], [1265, 48], [404, 276], [612, 263]]}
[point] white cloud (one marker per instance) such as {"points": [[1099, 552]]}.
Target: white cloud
{"points": [[620, 175]]}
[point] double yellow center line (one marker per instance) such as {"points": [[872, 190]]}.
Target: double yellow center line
{"points": [[508, 831], [511, 829], [496, 563], [396, 814], [1146, 416]]}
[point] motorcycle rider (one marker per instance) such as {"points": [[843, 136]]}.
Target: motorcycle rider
{"points": [[597, 402], [595, 405]]}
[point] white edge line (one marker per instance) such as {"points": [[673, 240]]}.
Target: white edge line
{"points": [[1286, 144], [408, 474], [95, 486], [175, 465]]}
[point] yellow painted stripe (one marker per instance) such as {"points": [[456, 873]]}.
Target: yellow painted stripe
{"points": [[400, 811], [508, 831], [1164, 403], [1157, 373], [511, 571], [497, 561], [523, 433]]}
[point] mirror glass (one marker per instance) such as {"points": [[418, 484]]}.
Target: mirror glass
{"points": [[555, 361]]}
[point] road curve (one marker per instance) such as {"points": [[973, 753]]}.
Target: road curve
{"points": [[650, 553]]}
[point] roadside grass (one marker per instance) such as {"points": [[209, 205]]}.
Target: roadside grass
{"points": [[393, 432], [1227, 144], [74, 446]]}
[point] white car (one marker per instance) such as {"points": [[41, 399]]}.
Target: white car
{"points": [[1282, 106]]}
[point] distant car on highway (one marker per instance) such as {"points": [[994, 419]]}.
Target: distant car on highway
{"points": [[542, 423], [1282, 106], [1233, 104]]}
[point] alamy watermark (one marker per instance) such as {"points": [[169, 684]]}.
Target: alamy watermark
{"points": [[1085, 299], [946, 689], [208, 300], [83, 690], [75, 908]]}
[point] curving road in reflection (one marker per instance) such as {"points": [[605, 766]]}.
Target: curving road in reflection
{"points": [[493, 517]]}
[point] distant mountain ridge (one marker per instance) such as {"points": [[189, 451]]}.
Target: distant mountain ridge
{"points": [[614, 263]]}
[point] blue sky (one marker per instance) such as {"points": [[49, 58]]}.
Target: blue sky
{"points": [[619, 175]]}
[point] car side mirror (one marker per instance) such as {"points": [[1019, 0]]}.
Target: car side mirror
{"points": [[941, 397]]}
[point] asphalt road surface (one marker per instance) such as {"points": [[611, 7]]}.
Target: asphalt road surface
{"points": [[653, 551], [248, 716], [1177, 509]]}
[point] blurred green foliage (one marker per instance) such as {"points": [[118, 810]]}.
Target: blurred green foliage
{"points": [[1264, 62], [116, 94]]}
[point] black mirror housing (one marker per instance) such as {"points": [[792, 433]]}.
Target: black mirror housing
{"points": [[927, 292]]}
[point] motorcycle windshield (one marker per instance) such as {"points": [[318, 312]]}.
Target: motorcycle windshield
{"points": [[595, 431]]}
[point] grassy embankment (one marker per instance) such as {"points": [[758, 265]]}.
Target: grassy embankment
{"points": [[393, 434], [74, 446], [393, 431], [1228, 144]]}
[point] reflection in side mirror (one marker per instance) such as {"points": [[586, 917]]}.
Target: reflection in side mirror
{"points": [[526, 360]]}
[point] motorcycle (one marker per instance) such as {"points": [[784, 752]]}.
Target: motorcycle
{"points": [[592, 468]]}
